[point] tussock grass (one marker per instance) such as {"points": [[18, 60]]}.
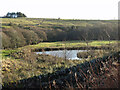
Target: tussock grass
{"points": [[34, 65], [99, 73]]}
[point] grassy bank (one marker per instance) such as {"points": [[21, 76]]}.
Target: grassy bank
{"points": [[70, 44], [24, 63], [97, 73], [62, 44], [17, 69]]}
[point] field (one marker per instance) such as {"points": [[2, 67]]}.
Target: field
{"points": [[22, 37], [71, 44]]}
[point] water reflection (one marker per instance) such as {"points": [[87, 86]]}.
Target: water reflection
{"points": [[68, 54]]}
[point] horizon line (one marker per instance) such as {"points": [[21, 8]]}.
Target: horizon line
{"points": [[64, 18]]}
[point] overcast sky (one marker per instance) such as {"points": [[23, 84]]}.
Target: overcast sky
{"points": [[65, 9]]}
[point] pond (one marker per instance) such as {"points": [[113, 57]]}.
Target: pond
{"points": [[68, 54]]}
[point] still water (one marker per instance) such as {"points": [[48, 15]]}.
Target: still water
{"points": [[68, 54]]}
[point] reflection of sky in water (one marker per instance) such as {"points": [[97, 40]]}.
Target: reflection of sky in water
{"points": [[69, 54]]}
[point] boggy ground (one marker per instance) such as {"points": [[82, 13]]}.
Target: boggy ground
{"points": [[24, 64], [97, 73]]}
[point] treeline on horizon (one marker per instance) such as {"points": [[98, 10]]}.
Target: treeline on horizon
{"points": [[16, 35]]}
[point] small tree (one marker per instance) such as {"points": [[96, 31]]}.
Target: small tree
{"points": [[19, 14]]}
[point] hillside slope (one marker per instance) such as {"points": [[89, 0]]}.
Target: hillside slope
{"points": [[18, 32]]}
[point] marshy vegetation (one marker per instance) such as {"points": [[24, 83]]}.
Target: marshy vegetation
{"points": [[22, 37]]}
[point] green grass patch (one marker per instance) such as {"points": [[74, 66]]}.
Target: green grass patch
{"points": [[101, 43], [7, 52], [70, 44]]}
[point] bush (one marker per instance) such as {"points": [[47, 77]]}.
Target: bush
{"points": [[31, 37], [16, 38], [5, 40], [41, 35]]}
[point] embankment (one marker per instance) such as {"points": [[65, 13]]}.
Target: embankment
{"points": [[70, 48], [83, 75]]}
